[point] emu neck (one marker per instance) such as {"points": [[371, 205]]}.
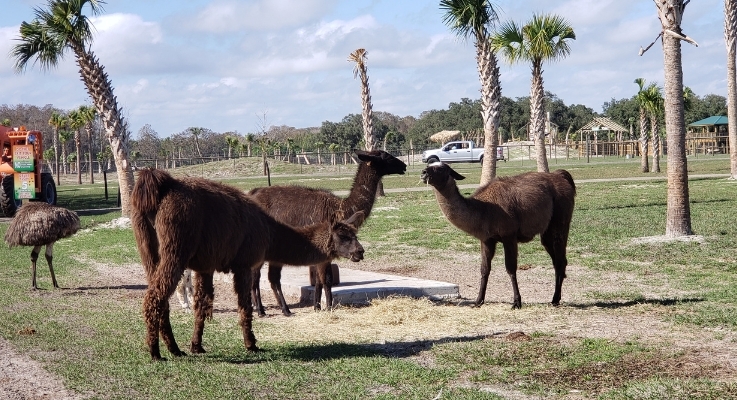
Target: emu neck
{"points": [[460, 211], [363, 191], [299, 246]]}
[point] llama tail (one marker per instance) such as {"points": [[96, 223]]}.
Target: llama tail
{"points": [[147, 192], [568, 177]]}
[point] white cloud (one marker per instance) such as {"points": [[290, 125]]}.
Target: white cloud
{"points": [[232, 16]]}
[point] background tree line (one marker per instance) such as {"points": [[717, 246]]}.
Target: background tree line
{"points": [[391, 131]]}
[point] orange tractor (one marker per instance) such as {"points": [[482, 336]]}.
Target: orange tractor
{"points": [[21, 169]]}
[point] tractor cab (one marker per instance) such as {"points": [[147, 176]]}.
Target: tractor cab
{"points": [[21, 170]]}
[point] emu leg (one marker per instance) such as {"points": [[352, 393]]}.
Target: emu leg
{"points": [[242, 284], [510, 262], [204, 296], [487, 254], [49, 260], [557, 251], [324, 280], [34, 258], [256, 292], [275, 281]]}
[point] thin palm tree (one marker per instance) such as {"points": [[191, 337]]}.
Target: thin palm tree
{"points": [[476, 19], [654, 107], [64, 136], [250, 138], [88, 115], [678, 213], [545, 38], [57, 121], [76, 122], [369, 139], [232, 143], [730, 38], [62, 26], [196, 132], [641, 98]]}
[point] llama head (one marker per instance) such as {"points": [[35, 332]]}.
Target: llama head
{"points": [[439, 174], [381, 161], [344, 240]]}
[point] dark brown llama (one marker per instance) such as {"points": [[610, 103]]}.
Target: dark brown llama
{"points": [[300, 206], [510, 210], [207, 226]]}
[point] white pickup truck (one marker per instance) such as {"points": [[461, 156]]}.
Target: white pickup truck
{"points": [[458, 151]]}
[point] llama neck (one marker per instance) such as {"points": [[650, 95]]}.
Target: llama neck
{"points": [[299, 246], [363, 191], [459, 210]]}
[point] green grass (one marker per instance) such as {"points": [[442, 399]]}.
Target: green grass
{"points": [[93, 336]]}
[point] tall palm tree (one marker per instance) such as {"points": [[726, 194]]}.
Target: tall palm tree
{"points": [[76, 122], [57, 121], [196, 132], [641, 98], [730, 38], [62, 26], [369, 139], [544, 38], [250, 138], [654, 107], [476, 19], [232, 143], [88, 115], [678, 214], [64, 136]]}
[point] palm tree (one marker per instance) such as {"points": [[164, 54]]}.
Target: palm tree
{"points": [[196, 132], [730, 37], [544, 38], [56, 121], [654, 107], [64, 136], [232, 143], [62, 26], [678, 214], [641, 98], [476, 18], [369, 139], [76, 122], [88, 115], [250, 138]]}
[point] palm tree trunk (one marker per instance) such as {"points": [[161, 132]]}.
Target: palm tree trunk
{"points": [[656, 142], [730, 33], [56, 155], [491, 91], [88, 129], [644, 167], [678, 214], [78, 147], [537, 116], [101, 91]]}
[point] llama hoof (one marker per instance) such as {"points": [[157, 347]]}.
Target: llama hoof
{"points": [[287, 313], [555, 303], [178, 353], [196, 349], [516, 306]]}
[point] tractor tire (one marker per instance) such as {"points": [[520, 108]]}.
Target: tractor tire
{"points": [[8, 203], [48, 188]]}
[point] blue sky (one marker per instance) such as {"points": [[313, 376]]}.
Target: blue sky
{"points": [[224, 64]]}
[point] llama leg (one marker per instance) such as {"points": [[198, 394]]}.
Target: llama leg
{"points": [[204, 296], [156, 310], [167, 334], [324, 279], [34, 258], [487, 254], [275, 281], [242, 285], [49, 260], [557, 251], [256, 291], [510, 262]]}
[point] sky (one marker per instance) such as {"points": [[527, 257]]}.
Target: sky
{"points": [[237, 65]]}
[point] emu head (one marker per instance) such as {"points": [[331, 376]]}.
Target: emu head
{"points": [[345, 241], [381, 161], [439, 174]]}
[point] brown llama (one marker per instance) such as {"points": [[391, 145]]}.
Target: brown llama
{"points": [[510, 210], [300, 206], [207, 226]]}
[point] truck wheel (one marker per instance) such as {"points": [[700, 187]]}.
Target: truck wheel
{"points": [[8, 203], [432, 160], [48, 188]]}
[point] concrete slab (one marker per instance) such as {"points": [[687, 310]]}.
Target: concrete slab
{"points": [[360, 287]]}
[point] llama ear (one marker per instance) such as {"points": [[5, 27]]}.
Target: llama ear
{"points": [[363, 155], [356, 219], [456, 175]]}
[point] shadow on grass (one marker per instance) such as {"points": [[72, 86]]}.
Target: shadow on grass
{"points": [[630, 303], [332, 351]]}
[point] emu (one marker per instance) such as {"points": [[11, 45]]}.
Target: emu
{"points": [[207, 226], [510, 210], [301, 206], [41, 224]]}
